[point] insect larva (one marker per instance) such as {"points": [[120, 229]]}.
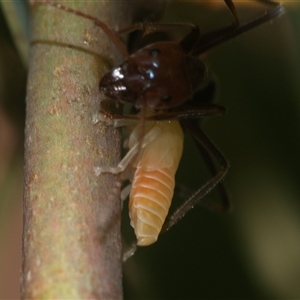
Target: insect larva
{"points": [[153, 181]]}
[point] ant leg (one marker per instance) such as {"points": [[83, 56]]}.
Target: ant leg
{"points": [[123, 164], [212, 168], [148, 27], [205, 142], [200, 111], [106, 29], [190, 112], [212, 39], [232, 8], [187, 43], [185, 192], [114, 119]]}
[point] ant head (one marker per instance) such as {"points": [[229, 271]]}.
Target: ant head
{"points": [[156, 76]]}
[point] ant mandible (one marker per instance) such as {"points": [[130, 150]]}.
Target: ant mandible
{"points": [[167, 82]]}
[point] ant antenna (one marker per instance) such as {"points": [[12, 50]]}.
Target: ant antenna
{"points": [[106, 29]]}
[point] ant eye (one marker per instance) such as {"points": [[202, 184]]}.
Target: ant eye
{"points": [[154, 52], [166, 99]]}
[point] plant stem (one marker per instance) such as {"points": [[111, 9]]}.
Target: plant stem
{"points": [[71, 239]]}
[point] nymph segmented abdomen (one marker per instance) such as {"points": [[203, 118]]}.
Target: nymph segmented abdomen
{"points": [[150, 200]]}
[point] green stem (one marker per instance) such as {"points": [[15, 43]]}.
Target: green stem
{"points": [[71, 240]]}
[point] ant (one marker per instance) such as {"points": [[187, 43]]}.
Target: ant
{"points": [[172, 88]]}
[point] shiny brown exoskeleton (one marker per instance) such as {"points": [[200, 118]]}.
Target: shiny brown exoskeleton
{"points": [[168, 78], [166, 74], [159, 76]]}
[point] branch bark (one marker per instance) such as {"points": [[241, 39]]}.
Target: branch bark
{"points": [[71, 238]]}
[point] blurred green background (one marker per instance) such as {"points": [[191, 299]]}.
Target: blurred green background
{"points": [[252, 252]]}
